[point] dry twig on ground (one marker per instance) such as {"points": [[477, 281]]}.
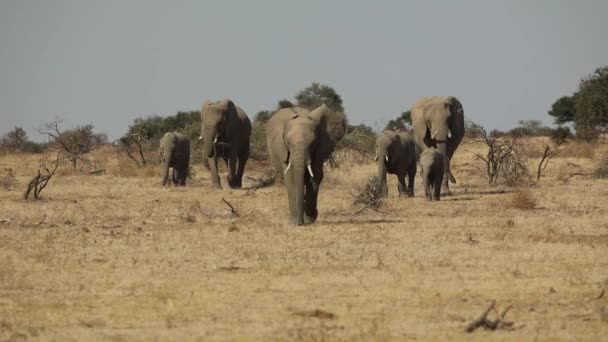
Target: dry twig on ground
{"points": [[484, 322], [233, 211]]}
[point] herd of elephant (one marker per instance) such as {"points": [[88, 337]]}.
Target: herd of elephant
{"points": [[301, 140]]}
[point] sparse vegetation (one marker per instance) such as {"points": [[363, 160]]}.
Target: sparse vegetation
{"points": [[505, 157], [369, 195], [601, 171], [522, 198], [123, 227]]}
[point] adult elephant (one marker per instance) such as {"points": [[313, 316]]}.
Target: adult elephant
{"points": [[174, 154], [226, 130], [396, 154], [439, 121], [299, 142]]}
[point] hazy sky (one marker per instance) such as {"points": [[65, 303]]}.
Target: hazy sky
{"points": [[106, 62]]}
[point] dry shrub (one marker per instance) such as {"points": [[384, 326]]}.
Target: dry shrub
{"points": [[601, 172], [577, 149], [370, 194], [522, 198], [8, 181]]}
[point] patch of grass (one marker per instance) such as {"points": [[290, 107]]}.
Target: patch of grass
{"points": [[522, 198], [370, 194], [601, 171]]}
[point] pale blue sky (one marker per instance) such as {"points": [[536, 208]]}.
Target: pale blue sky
{"points": [[106, 62]]}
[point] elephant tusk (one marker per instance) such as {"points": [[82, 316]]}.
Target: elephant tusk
{"points": [[215, 140], [449, 133], [310, 171], [386, 157], [200, 138], [376, 158], [434, 134], [287, 169]]}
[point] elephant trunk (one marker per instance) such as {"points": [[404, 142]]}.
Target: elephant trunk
{"points": [[299, 168], [382, 161], [209, 138]]}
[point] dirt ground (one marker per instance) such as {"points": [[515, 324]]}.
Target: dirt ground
{"points": [[118, 257]]}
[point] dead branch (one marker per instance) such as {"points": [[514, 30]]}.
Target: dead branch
{"points": [[42, 221], [481, 321], [40, 181], [266, 181], [98, 172], [232, 209], [544, 161], [484, 322], [602, 293]]}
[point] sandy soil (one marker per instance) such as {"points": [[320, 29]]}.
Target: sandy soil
{"points": [[117, 257]]}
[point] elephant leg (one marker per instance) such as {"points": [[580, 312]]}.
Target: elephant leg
{"points": [[231, 163], [175, 175], [401, 185], [437, 188], [411, 175], [428, 191], [185, 172], [445, 184], [243, 157], [215, 177], [310, 198], [165, 173]]}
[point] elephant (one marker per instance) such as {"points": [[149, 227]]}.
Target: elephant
{"points": [[432, 163], [174, 154], [226, 131], [299, 142], [439, 121], [396, 154]]}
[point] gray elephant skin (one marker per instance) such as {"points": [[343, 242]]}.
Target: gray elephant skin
{"points": [[432, 164], [174, 154], [299, 142], [439, 121], [226, 131], [396, 155]]}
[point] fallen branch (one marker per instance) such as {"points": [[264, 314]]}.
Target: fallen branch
{"points": [[484, 322], [42, 221], [98, 172], [232, 209], [266, 181]]}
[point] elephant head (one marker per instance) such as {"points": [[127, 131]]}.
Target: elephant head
{"points": [[301, 141], [385, 145], [214, 117]]}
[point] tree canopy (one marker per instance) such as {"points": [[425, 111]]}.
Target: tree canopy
{"points": [[564, 109], [402, 122], [592, 104], [318, 94]]}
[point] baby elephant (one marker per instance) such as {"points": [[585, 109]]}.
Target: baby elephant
{"points": [[432, 164], [174, 153]]}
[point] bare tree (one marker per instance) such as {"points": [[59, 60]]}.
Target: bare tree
{"points": [[505, 156], [136, 140], [74, 143], [41, 180]]}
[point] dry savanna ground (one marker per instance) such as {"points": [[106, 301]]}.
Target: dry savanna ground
{"points": [[118, 257]]}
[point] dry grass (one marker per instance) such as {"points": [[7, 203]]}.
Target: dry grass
{"points": [[118, 257], [522, 198]]}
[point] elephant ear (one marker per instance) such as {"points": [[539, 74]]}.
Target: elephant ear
{"points": [[457, 115], [226, 105], [331, 129]]}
